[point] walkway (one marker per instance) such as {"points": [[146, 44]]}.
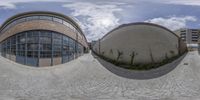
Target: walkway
{"points": [[87, 78]]}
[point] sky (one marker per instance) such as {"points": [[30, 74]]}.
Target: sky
{"points": [[98, 17]]}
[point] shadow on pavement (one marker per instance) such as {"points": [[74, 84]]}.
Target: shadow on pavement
{"points": [[140, 75]]}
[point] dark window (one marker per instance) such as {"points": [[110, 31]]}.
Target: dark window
{"points": [[65, 40], [21, 38], [21, 47], [33, 54], [32, 46], [21, 53], [45, 54], [57, 54], [40, 44], [45, 47]]}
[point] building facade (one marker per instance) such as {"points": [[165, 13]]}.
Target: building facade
{"points": [[189, 36], [140, 43], [41, 39]]}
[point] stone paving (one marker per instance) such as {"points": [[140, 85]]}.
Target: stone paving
{"points": [[87, 79]]}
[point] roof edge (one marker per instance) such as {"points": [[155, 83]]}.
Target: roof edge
{"points": [[139, 23]]}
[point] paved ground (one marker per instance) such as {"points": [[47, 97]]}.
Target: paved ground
{"points": [[89, 78]]}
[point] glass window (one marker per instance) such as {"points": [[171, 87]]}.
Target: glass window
{"points": [[57, 36], [65, 50], [57, 39], [32, 40], [32, 37], [46, 17], [45, 40], [72, 43], [32, 18], [21, 38], [57, 54], [45, 33], [31, 46], [21, 53], [13, 49], [13, 40], [65, 40], [8, 42], [32, 54], [21, 47], [57, 19], [57, 47], [51, 44], [45, 47], [45, 54]]}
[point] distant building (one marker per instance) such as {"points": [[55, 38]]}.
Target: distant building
{"points": [[91, 44], [190, 37]]}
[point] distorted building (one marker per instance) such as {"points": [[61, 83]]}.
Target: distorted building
{"points": [[142, 42], [190, 37], [41, 39]]}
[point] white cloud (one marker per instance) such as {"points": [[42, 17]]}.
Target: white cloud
{"points": [[10, 4], [173, 22], [185, 2], [179, 2], [96, 19]]}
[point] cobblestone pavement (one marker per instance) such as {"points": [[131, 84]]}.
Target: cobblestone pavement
{"points": [[87, 79]]}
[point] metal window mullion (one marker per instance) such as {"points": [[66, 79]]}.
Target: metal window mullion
{"points": [[51, 48], [62, 48], [76, 43], [9, 49], [16, 51], [26, 48], [39, 33]]}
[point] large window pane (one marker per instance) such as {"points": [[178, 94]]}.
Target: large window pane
{"points": [[20, 47], [33, 37], [13, 40], [32, 18], [45, 47], [65, 40], [21, 53], [57, 47], [45, 34], [45, 54], [57, 54], [57, 39], [45, 40], [21, 38], [13, 49], [32, 46], [33, 54]]}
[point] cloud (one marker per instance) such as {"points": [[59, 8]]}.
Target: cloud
{"points": [[96, 19], [11, 4], [173, 22], [6, 5], [179, 2]]}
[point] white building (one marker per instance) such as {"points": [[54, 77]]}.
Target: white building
{"points": [[189, 36]]}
